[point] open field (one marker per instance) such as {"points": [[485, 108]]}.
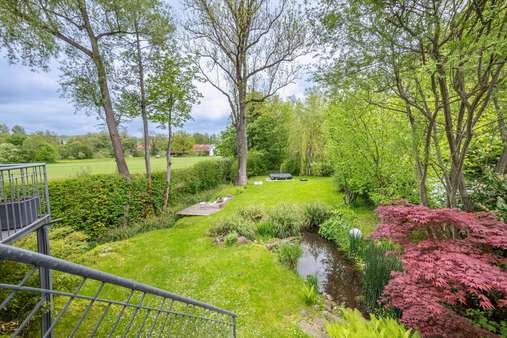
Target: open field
{"points": [[246, 279], [73, 168]]}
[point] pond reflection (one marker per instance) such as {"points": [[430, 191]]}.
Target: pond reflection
{"points": [[336, 273]]}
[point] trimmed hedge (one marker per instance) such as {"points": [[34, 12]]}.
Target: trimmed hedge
{"points": [[96, 204]]}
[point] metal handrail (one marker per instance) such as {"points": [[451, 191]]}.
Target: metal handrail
{"points": [[187, 317]]}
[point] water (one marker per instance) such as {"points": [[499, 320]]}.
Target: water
{"points": [[336, 273]]}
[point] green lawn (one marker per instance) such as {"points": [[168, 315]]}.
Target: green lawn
{"points": [[245, 279], [72, 168]]}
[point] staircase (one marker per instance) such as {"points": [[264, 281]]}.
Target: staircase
{"points": [[50, 297]]}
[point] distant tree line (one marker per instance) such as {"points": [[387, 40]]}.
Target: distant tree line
{"points": [[16, 145]]}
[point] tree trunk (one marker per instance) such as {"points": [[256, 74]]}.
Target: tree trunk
{"points": [[105, 96], [501, 166], [242, 140], [167, 193], [144, 116], [421, 169]]}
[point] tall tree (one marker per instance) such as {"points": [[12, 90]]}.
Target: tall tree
{"points": [[152, 28], [442, 59], [85, 30], [171, 94], [246, 46]]}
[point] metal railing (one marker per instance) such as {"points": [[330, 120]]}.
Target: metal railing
{"points": [[24, 200], [49, 297], [86, 302]]}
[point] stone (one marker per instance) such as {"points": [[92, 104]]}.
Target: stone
{"points": [[243, 240]]}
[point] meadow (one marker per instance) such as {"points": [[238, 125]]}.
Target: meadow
{"points": [[72, 168]]}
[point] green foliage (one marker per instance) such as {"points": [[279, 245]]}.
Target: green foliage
{"points": [[77, 199], [316, 213], [286, 220], [231, 238], [288, 254], [313, 280], [233, 224], [322, 168], [252, 213], [355, 326], [290, 166], [489, 192], [9, 153], [378, 265], [77, 150], [37, 149], [66, 244], [337, 229], [484, 319], [310, 294], [369, 150]]}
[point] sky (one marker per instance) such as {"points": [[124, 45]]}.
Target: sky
{"points": [[33, 100]]}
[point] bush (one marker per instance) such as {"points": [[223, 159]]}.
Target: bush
{"points": [[252, 214], [9, 153], [265, 229], [316, 213], [231, 238], [449, 258], [288, 254], [324, 169], [233, 224], [489, 192], [337, 229], [290, 166], [77, 200], [354, 325], [287, 220]]}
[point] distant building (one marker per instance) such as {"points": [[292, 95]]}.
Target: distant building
{"points": [[203, 149]]}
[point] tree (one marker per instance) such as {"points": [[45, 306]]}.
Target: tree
{"points": [[242, 47], [182, 143], [4, 129], [171, 94], [86, 32], [151, 27], [451, 259], [442, 59], [17, 129]]}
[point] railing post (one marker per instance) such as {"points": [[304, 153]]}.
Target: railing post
{"points": [[45, 280], [234, 326]]}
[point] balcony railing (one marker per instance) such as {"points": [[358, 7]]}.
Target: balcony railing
{"points": [[45, 296]]}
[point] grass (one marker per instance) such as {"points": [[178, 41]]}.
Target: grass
{"points": [[73, 168], [246, 279]]}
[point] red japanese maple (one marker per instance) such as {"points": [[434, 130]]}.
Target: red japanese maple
{"points": [[448, 257]]}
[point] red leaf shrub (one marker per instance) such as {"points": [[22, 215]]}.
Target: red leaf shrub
{"points": [[449, 258]]}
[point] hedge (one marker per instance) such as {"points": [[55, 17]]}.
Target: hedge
{"points": [[95, 204]]}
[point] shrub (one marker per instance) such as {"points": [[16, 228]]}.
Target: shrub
{"points": [[449, 257], [287, 220], [316, 213], [265, 229], [231, 238], [378, 265], [337, 229], [310, 294], [355, 326], [9, 153], [253, 214], [288, 254], [77, 199], [489, 192], [323, 168], [226, 225], [290, 166]]}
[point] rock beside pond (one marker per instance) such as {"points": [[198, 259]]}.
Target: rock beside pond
{"points": [[270, 245], [243, 240]]}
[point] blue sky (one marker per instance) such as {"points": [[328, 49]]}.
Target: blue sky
{"points": [[32, 99]]}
